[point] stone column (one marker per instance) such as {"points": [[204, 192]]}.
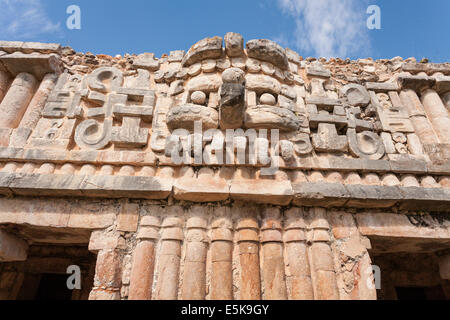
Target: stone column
{"points": [[249, 258], [108, 275], [417, 115], [4, 82], [194, 276], [33, 113], [16, 101], [437, 114], [170, 256], [222, 257], [325, 285], [298, 272], [273, 264], [141, 278]]}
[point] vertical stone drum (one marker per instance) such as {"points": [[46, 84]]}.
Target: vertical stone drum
{"points": [[416, 112], [437, 114], [194, 276], [33, 112], [273, 262], [142, 272], [16, 101], [248, 239], [222, 256], [298, 272], [325, 284], [170, 256], [108, 275]]}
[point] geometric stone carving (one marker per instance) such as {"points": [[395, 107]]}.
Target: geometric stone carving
{"points": [[302, 144], [65, 99], [328, 140], [366, 145], [128, 105], [105, 79], [52, 133], [92, 135], [392, 118], [146, 61], [356, 95]]}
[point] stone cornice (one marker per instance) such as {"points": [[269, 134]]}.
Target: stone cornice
{"points": [[402, 165], [198, 190]]}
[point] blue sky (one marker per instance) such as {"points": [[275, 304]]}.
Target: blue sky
{"points": [[311, 27]]}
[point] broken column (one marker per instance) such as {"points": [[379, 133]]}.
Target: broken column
{"points": [[16, 101], [108, 275]]}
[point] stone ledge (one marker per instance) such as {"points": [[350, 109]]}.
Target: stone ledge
{"points": [[29, 47], [258, 191], [37, 64], [152, 188], [360, 196], [328, 163]]}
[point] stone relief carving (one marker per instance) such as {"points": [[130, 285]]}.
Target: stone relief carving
{"points": [[113, 102], [260, 86]]}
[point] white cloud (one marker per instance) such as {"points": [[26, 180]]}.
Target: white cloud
{"points": [[329, 28], [24, 19]]}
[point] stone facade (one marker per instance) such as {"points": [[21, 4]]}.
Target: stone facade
{"points": [[87, 169]]}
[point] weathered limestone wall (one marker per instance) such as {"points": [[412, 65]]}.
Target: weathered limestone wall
{"points": [[88, 147], [153, 250]]}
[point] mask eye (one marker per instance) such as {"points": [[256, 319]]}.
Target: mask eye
{"points": [[198, 97], [268, 99]]}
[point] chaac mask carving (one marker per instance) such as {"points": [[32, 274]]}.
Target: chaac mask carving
{"points": [[259, 87]]}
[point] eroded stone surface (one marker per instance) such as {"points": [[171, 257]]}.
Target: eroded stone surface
{"points": [[87, 151]]}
